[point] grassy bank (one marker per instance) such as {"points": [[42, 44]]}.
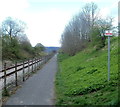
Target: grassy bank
{"points": [[82, 79]]}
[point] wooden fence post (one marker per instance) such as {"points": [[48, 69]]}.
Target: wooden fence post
{"points": [[39, 62], [23, 72], [28, 68], [32, 65], [16, 74], [35, 64], [5, 88]]}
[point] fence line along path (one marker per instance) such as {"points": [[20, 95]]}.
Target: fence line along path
{"points": [[39, 89], [20, 71]]}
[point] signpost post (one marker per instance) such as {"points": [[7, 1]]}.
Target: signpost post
{"points": [[109, 34]]}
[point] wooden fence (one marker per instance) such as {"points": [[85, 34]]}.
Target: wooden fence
{"points": [[30, 65]]}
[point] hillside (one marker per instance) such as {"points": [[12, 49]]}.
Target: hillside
{"points": [[82, 79], [50, 49]]}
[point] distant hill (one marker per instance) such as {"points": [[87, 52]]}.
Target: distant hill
{"points": [[50, 49]]}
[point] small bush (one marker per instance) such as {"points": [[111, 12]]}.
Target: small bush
{"points": [[5, 92], [92, 71]]}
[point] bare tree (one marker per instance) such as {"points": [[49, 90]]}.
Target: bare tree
{"points": [[83, 29], [89, 17], [78, 30], [13, 27], [105, 24]]}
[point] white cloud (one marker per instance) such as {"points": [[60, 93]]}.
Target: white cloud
{"points": [[115, 22], [110, 10], [91, 0], [60, 0], [12, 7], [44, 25], [104, 12]]}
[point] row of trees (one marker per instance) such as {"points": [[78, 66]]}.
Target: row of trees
{"points": [[15, 44], [84, 29]]}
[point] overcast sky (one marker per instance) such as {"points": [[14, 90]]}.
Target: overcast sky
{"points": [[46, 19]]}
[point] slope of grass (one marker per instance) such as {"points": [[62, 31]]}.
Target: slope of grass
{"points": [[82, 79]]}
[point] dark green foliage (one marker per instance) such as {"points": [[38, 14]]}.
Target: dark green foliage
{"points": [[13, 49], [79, 68], [10, 47], [15, 44], [92, 71], [26, 46], [5, 92]]}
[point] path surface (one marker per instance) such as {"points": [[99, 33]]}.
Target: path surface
{"points": [[38, 89]]}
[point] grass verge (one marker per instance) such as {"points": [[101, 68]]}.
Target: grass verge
{"points": [[82, 79]]}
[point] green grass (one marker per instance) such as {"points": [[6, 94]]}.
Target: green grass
{"points": [[82, 79]]}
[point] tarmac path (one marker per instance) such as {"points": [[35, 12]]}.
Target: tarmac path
{"points": [[39, 88]]}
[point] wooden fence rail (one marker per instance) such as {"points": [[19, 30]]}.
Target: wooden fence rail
{"points": [[31, 65], [18, 65]]}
